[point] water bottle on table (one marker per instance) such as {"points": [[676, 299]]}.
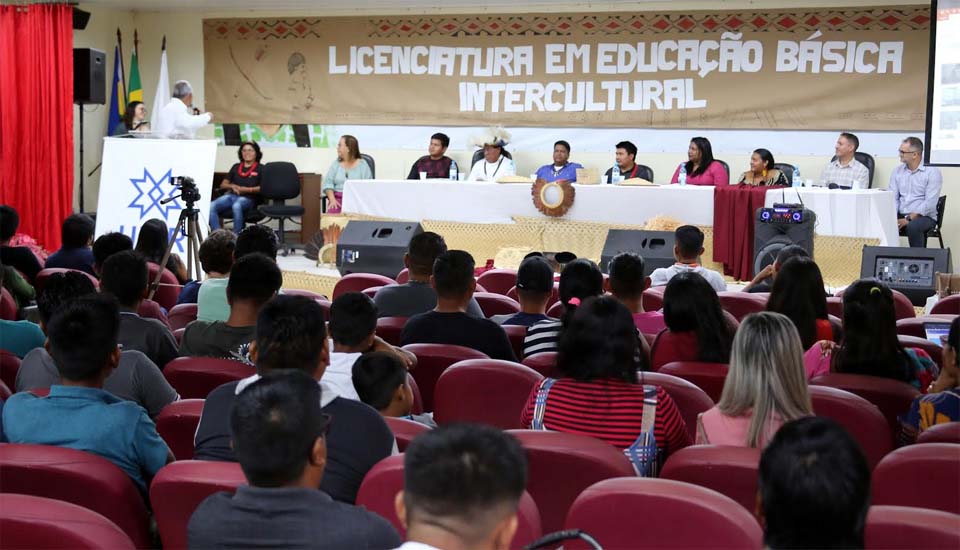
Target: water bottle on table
{"points": [[682, 176], [615, 174], [797, 181], [454, 170]]}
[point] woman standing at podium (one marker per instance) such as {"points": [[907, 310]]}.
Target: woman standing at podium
{"points": [[241, 186], [349, 165]]}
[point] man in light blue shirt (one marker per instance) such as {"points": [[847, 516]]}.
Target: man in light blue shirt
{"points": [[561, 169], [916, 189]]}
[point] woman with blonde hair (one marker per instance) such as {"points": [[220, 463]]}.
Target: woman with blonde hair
{"points": [[765, 388]]}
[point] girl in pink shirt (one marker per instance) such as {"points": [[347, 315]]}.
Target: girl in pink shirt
{"points": [[701, 168]]}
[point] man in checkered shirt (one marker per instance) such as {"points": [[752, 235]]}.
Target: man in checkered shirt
{"points": [[844, 169]]}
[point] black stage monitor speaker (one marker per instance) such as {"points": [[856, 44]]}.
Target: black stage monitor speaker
{"points": [[912, 271], [769, 238], [656, 248], [89, 76], [80, 18], [375, 247]]}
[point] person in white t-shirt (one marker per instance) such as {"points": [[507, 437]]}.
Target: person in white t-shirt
{"points": [[687, 250], [494, 164], [176, 119]]}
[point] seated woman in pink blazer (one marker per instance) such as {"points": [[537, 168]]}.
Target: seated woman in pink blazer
{"points": [[701, 168]]}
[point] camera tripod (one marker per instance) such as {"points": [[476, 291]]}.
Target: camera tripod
{"points": [[186, 224]]}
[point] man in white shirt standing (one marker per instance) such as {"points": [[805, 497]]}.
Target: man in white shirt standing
{"points": [[176, 118], [845, 169], [916, 190]]}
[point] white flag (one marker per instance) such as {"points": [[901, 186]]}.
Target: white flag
{"points": [[162, 96]]}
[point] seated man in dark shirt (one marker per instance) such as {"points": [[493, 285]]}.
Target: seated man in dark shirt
{"points": [[107, 245], [291, 335], [76, 236], [534, 288], [18, 257], [449, 323], [436, 164], [279, 434]]}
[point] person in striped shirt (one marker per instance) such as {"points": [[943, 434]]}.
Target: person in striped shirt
{"points": [[579, 280]]}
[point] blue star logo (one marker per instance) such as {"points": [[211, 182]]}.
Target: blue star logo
{"points": [[150, 191]]}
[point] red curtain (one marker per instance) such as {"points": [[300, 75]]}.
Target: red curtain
{"points": [[36, 117]]}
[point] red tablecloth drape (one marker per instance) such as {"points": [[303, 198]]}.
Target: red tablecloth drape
{"points": [[734, 209]]}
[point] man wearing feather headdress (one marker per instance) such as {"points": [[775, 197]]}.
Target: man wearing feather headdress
{"points": [[495, 164]]}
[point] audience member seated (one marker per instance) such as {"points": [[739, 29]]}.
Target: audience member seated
{"points": [[765, 386], [691, 307], [600, 396], [380, 379], [22, 291], [534, 288], [814, 487], [76, 236], [579, 280], [18, 337], [942, 402], [763, 171], [798, 292], [561, 170], [126, 278], [700, 167], [291, 336], [627, 284], [869, 344], [216, 259], [763, 281], [107, 245], [353, 324], [212, 296], [687, 251], [20, 258], [253, 280], [417, 295], [136, 377], [449, 322], [78, 413], [436, 164], [845, 170], [152, 242], [461, 488], [279, 433]]}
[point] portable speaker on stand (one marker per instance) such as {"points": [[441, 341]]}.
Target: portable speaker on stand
{"points": [[771, 236], [89, 88]]}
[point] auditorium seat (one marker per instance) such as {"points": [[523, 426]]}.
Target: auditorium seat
{"points": [[8, 306], [196, 377], [358, 282], [5, 391], [647, 513], [149, 309], [652, 298], [496, 304], [690, 399], [9, 366], [709, 377], [182, 315], [945, 432], [432, 360], [913, 326], [177, 424], [835, 307], [417, 397], [949, 305], [731, 471], [169, 289], [741, 304], [562, 465], [556, 310], [484, 391], [178, 335], [516, 334], [41, 279], [933, 350], [672, 346], [892, 397], [405, 430], [80, 478], [909, 528], [498, 281], [861, 418], [306, 293], [403, 277], [903, 308], [544, 362], [389, 328], [382, 483], [35, 522], [372, 291], [325, 306], [179, 487], [922, 476]]}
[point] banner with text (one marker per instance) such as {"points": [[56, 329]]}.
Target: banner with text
{"points": [[814, 68]]}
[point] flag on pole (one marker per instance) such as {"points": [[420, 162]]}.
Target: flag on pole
{"points": [[162, 96], [118, 99], [134, 89]]}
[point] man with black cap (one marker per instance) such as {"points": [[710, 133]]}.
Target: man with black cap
{"points": [[534, 287]]}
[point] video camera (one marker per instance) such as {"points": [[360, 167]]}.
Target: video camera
{"points": [[188, 188]]}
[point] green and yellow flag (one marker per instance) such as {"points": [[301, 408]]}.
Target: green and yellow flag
{"points": [[134, 90]]}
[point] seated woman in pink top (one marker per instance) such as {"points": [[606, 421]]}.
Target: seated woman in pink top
{"points": [[701, 168], [765, 387]]}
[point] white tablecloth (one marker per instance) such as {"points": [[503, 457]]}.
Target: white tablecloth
{"points": [[848, 213]]}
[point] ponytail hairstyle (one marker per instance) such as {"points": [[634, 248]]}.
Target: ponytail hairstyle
{"points": [[579, 280]]}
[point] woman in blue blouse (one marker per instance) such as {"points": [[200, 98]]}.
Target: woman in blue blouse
{"points": [[348, 166]]}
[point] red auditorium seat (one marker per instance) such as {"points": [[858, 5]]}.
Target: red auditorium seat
{"points": [[949, 305], [178, 335], [556, 310], [903, 308], [933, 350], [77, 477], [946, 432], [358, 282], [498, 281], [516, 334], [690, 399], [169, 289], [9, 365], [922, 476], [8, 306], [545, 363], [177, 424], [835, 307], [179, 487], [305, 293], [909, 528], [432, 360], [652, 298], [741, 304], [403, 277], [484, 391], [389, 328], [709, 377], [562, 465], [731, 471], [41, 280], [554, 295], [861, 418], [676, 346], [372, 291], [196, 377], [382, 483], [417, 397], [151, 310], [325, 306], [182, 315], [913, 326], [405, 430], [667, 514], [892, 397], [496, 304], [5, 392], [34, 522]]}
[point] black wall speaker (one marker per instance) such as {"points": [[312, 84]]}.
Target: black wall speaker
{"points": [[912, 271], [375, 247], [89, 76], [769, 238], [656, 248], [80, 18]]}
